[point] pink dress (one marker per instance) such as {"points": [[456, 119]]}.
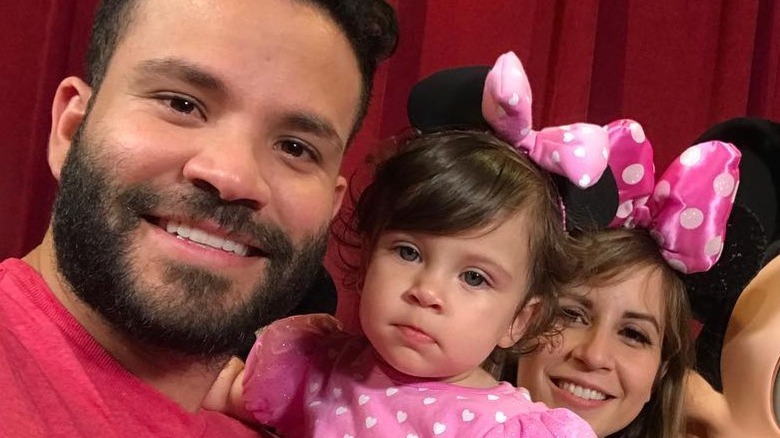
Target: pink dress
{"points": [[307, 378]]}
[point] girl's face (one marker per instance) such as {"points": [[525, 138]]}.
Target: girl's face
{"points": [[605, 365], [436, 306]]}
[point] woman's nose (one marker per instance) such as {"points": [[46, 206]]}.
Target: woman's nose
{"points": [[594, 349]]}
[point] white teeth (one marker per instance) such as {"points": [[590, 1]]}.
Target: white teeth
{"points": [[206, 239], [579, 391]]}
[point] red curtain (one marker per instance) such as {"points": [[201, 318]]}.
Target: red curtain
{"points": [[675, 66]]}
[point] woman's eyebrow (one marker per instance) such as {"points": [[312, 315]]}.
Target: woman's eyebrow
{"points": [[644, 317]]}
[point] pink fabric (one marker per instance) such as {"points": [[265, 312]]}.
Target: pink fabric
{"points": [[308, 378], [687, 210], [578, 151], [57, 381]]}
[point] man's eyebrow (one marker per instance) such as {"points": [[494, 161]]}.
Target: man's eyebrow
{"points": [[181, 70], [312, 124]]}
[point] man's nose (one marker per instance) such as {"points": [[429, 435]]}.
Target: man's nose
{"points": [[232, 171]]}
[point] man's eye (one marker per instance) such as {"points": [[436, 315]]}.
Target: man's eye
{"points": [[407, 253], [182, 105], [473, 278], [296, 148]]}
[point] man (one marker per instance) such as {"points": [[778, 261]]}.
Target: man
{"points": [[198, 171]]}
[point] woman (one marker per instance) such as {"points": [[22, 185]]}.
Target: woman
{"points": [[624, 346]]}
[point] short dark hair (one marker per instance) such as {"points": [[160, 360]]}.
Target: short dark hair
{"points": [[450, 182], [370, 26]]}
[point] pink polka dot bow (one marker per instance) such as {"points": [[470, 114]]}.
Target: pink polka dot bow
{"points": [[687, 210], [578, 151]]}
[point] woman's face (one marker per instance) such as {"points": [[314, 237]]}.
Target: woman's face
{"points": [[604, 366]]}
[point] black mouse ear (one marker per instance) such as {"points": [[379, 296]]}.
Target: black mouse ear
{"points": [[759, 169], [452, 99], [449, 99], [591, 208]]}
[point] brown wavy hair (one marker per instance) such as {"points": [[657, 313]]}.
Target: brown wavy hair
{"points": [[604, 256]]}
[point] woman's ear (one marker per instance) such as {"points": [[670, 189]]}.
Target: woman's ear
{"points": [[517, 328], [67, 113]]}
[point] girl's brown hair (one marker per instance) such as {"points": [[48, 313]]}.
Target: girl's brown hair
{"points": [[604, 257], [450, 182]]}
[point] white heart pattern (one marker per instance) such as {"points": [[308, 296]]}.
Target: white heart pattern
{"points": [[429, 401], [401, 416], [412, 435], [391, 391], [341, 410], [337, 392], [500, 417], [492, 397], [370, 422], [467, 415], [439, 428], [363, 399]]}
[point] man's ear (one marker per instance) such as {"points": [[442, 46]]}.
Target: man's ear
{"points": [[67, 113], [338, 198], [517, 328]]}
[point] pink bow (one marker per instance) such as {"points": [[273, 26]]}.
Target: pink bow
{"points": [[687, 210], [578, 151]]}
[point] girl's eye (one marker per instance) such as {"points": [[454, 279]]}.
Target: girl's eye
{"points": [[635, 336], [473, 278], [407, 253], [572, 315]]}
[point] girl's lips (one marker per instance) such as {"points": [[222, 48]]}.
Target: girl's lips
{"points": [[414, 335]]}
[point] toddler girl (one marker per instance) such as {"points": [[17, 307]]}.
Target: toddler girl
{"points": [[462, 242]]}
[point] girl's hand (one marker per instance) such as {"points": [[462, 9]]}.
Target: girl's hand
{"points": [[226, 393]]}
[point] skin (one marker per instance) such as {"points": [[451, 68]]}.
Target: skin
{"points": [[425, 295], [611, 343], [255, 100]]}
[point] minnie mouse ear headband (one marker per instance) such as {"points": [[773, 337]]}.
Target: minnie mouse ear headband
{"points": [[499, 99], [686, 210]]}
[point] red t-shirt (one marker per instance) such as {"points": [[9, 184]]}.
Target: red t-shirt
{"points": [[57, 381]]}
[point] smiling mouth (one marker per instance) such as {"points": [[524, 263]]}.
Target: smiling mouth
{"points": [[581, 391], [206, 239]]}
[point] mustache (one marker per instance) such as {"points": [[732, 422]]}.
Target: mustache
{"points": [[204, 204]]}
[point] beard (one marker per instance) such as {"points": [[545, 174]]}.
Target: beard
{"points": [[190, 310]]}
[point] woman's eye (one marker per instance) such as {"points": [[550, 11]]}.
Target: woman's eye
{"points": [[636, 337], [407, 253], [473, 278], [572, 315]]}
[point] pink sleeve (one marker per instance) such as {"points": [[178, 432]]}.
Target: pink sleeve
{"points": [[553, 423], [278, 364]]}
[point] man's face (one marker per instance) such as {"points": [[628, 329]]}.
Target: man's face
{"points": [[207, 170]]}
